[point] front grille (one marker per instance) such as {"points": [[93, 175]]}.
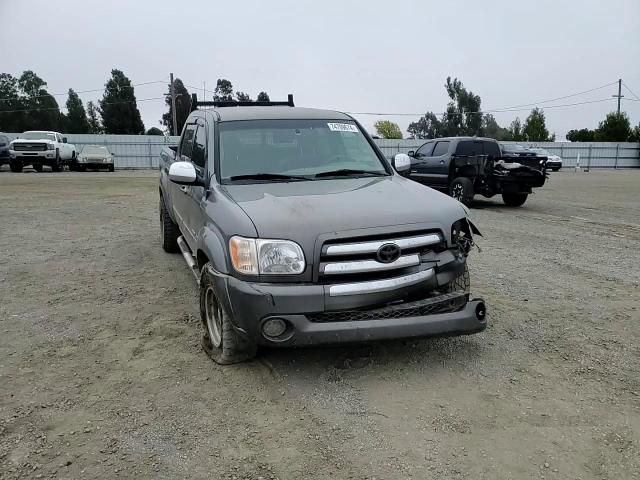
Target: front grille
{"points": [[29, 147], [357, 259], [449, 302]]}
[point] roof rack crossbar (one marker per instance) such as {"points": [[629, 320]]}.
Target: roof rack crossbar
{"points": [[195, 103]]}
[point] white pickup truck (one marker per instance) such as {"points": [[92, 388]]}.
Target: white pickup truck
{"points": [[38, 148]]}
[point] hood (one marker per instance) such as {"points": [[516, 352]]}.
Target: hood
{"points": [[24, 140], [301, 211]]}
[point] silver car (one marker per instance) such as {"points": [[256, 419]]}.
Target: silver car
{"points": [[93, 156]]}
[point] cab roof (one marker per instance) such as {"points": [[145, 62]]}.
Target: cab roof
{"points": [[227, 114]]}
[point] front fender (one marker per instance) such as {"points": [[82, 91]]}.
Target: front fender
{"points": [[212, 245]]}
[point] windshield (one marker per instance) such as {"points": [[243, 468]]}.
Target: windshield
{"points": [[303, 148], [95, 149], [38, 136], [540, 151], [513, 148]]}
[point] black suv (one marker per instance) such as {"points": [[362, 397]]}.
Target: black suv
{"points": [[465, 166]]}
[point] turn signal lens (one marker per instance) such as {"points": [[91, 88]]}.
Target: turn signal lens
{"points": [[243, 255]]}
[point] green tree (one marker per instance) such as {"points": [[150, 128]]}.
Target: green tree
{"points": [[388, 129], [515, 131], [614, 128], [427, 126], [183, 107], [635, 134], [463, 112], [223, 91], [582, 135], [154, 131], [43, 110], [243, 97], [263, 97], [118, 106], [491, 129], [76, 115], [535, 129], [93, 122], [11, 120]]}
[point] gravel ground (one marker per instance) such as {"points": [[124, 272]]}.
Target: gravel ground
{"points": [[102, 375]]}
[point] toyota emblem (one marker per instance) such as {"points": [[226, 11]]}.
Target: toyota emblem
{"points": [[389, 252]]}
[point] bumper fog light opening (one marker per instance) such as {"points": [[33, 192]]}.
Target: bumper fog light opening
{"points": [[481, 311], [274, 327]]}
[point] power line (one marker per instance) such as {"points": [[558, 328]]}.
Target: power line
{"points": [[65, 108], [88, 91], [482, 111], [631, 92]]}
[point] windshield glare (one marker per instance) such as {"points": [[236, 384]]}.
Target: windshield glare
{"points": [[38, 136], [91, 149], [294, 147]]}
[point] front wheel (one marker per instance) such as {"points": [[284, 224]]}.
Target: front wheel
{"points": [[462, 190], [111, 168], [514, 199], [15, 165], [556, 169], [220, 341], [37, 167]]}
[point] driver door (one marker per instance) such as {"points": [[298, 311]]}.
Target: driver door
{"points": [[419, 163], [180, 193]]}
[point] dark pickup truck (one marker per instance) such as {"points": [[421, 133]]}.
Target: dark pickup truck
{"points": [[465, 166], [300, 232]]}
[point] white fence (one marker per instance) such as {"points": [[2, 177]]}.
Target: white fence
{"points": [[142, 151]]}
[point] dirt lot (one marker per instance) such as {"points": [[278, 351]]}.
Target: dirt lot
{"points": [[102, 376]]}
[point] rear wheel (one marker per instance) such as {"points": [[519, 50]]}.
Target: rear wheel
{"points": [[220, 341], [111, 168], [15, 165], [169, 231], [462, 190], [514, 199], [37, 167]]}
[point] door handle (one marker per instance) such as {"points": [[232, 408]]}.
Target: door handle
{"points": [[441, 162], [184, 189]]}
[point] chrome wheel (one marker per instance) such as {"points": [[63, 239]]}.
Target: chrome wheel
{"points": [[214, 317], [458, 192]]}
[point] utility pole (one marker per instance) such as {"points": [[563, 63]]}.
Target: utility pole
{"points": [[174, 121], [204, 90], [619, 95]]}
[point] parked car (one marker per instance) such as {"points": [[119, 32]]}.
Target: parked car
{"points": [[465, 166], [300, 232], [38, 148], [515, 150], [554, 162], [93, 156], [4, 150]]}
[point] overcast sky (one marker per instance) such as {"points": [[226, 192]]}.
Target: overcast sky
{"points": [[355, 56]]}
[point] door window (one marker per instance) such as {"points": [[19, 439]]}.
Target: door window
{"points": [[425, 150], [469, 148], [186, 145], [59, 138], [440, 149], [491, 148], [199, 152]]}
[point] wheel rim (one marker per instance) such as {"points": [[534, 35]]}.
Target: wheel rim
{"points": [[214, 317], [458, 192]]}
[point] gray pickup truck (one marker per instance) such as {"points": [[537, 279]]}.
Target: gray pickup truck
{"points": [[300, 232]]}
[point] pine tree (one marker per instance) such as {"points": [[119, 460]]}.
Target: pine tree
{"points": [[118, 107], [76, 115], [93, 121], [183, 107]]}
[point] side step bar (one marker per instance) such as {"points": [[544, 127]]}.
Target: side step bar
{"points": [[188, 257]]}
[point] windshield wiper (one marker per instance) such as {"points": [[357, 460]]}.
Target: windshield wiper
{"points": [[346, 172], [268, 176]]}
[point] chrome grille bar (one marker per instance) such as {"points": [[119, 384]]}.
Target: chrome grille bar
{"points": [[360, 266], [373, 246], [379, 285]]}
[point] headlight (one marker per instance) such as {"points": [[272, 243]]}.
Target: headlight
{"points": [[50, 146], [461, 235], [253, 256]]}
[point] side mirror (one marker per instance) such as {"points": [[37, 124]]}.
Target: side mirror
{"points": [[401, 162], [411, 153], [183, 173], [64, 139]]}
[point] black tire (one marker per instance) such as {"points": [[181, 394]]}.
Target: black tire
{"points": [[37, 167], [462, 283], [169, 230], [15, 165], [220, 341], [556, 169], [514, 199], [57, 165], [111, 168], [462, 190]]}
